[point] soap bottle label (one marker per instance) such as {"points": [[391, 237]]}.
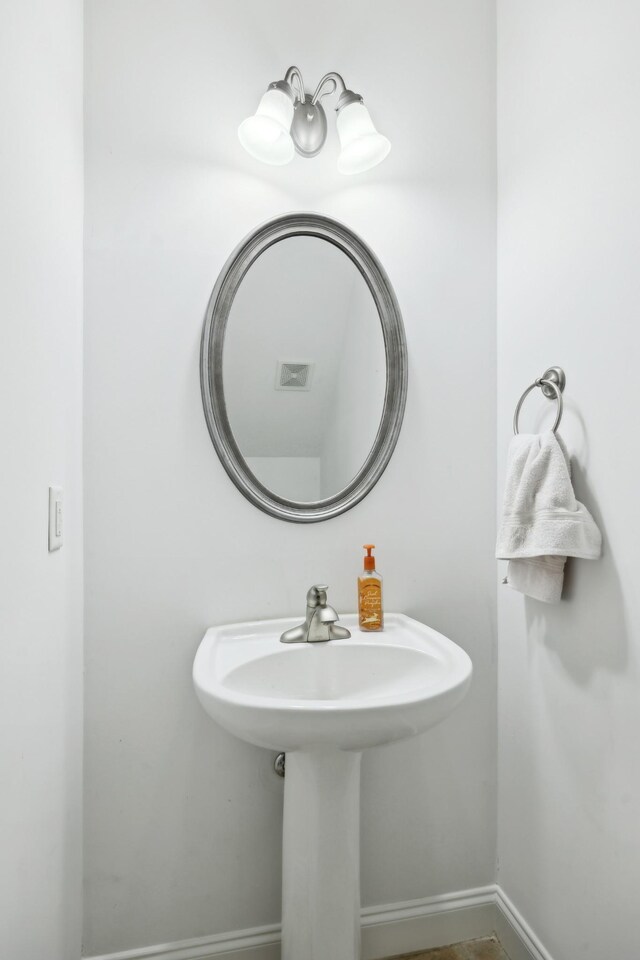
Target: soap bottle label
{"points": [[370, 605]]}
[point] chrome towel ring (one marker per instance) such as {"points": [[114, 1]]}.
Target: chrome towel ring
{"points": [[552, 383]]}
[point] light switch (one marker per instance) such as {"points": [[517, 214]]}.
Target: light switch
{"points": [[55, 518]]}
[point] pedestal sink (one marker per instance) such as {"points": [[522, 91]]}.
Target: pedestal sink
{"points": [[323, 703]]}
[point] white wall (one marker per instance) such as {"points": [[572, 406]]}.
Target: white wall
{"points": [[40, 438], [183, 822], [569, 293]]}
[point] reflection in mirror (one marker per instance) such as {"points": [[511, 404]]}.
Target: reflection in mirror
{"points": [[304, 369]]}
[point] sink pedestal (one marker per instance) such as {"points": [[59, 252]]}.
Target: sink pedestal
{"points": [[321, 855]]}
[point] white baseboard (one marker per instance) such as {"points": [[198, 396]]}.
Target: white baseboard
{"points": [[514, 932], [256, 943], [387, 931]]}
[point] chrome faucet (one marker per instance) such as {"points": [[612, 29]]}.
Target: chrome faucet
{"points": [[321, 622]]}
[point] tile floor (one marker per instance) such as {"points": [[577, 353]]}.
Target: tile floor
{"points": [[485, 949]]}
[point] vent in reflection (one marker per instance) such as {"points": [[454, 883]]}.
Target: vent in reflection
{"points": [[293, 376]]}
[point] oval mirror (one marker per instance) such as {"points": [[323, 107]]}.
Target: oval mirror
{"points": [[303, 368]]}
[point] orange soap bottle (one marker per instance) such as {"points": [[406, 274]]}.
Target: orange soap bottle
{"points": [[370, 615]]}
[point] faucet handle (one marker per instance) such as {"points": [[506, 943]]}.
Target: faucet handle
{"points": [[317, 595]]}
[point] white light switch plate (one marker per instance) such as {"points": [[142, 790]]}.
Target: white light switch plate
{"points": [[55, 518]]}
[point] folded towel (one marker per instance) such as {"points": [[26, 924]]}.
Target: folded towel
{"points": [[542, 522]]}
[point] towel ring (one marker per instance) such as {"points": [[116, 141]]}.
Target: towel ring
{"points": [[552, 383]]}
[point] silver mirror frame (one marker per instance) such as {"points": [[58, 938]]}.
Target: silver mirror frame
{"points": [[211, 350]]}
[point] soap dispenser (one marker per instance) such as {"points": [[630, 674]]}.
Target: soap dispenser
{"points": [[370, 615]]}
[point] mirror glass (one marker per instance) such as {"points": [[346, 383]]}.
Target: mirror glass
{"points": [[304, 369]]}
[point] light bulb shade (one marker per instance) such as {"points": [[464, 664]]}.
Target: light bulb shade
{"points": [[362, 147], [266, 135]]}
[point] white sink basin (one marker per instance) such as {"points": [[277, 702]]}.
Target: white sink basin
{"points": [[323, 703], [371, 689]]}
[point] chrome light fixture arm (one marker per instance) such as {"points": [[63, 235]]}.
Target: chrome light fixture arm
{"points": [[333, 78], [346, 96], [293, 73]]}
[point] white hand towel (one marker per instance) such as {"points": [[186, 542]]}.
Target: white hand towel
{"points": [[542, 522]]}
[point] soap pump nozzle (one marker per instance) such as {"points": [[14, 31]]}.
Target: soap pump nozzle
{"points": [[369, 560]]}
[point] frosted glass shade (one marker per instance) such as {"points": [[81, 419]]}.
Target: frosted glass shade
{"points": [[362, 147], [266, 135]]}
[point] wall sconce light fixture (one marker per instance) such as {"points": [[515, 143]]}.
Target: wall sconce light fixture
{"points": [[287, 122]]}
